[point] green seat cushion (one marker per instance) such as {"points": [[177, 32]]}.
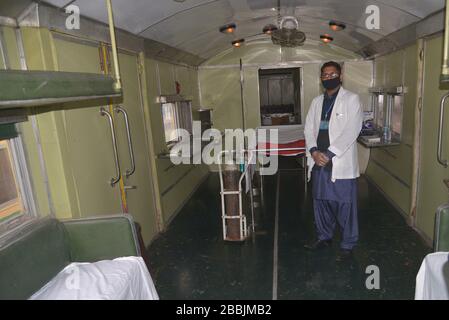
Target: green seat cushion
{"points": [[102, 238], [31, 260], [442, 228]]}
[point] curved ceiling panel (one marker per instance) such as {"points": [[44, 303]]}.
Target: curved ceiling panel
{"points": [[193, 25], [262, 52]]}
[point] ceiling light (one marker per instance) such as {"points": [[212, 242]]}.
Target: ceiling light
{"points": [[238, 43], [228, 28], [269, 28], [326, 38], [337, 26], [273, 9]]}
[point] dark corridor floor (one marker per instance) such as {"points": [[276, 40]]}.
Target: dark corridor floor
{"points": [[191, 261]]}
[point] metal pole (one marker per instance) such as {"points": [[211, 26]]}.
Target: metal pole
{"points": [[117, 83], [445, 66], [241, 95]]}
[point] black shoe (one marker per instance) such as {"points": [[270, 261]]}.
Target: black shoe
{"points": [[319, 244], [344, 255]]}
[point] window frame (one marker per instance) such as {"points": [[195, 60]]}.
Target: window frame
{"points": [[179, 122], [24, 185]]}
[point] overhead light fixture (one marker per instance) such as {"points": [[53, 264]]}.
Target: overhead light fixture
{"points": [[326, 38], [269, 28], [337, 26], [228, 28], [238, 43]]}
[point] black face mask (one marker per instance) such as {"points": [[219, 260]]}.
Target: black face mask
{"points": [[331, 83]]}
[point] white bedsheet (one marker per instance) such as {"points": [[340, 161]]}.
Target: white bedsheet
{"points": [[432, 281], [286, 133], [124, 278]]}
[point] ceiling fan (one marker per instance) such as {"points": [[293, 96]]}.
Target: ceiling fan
{"points": [[288, 33]]}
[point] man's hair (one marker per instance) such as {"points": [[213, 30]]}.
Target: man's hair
{"points": [[331, 64]]}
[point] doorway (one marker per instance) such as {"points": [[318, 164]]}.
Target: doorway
{"points": [[280, 96]]}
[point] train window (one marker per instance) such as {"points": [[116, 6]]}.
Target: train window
{"points": [[170, 122], [176, 115], [10, 199], [15, 193]]}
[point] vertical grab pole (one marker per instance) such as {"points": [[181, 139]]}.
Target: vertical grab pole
{"points": [[242, 96], [445, 66], [440, 159], [444, 78], [117, 82], [131, 171], [118, 177]]}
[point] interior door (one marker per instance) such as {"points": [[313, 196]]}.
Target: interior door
{"points": [[138, 186], [432, 190], [88, 136]]}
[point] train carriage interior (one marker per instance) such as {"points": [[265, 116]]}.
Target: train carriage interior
{"points": [[224, 149]]}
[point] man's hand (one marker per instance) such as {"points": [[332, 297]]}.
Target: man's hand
{"points": [[320, 158]]}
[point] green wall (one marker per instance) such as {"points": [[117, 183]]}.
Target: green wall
{"points": [[39, 48], [391, 168], [175, 183], [432, 191]]}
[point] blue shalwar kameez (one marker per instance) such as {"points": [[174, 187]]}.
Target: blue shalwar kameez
{"points": [[334, 202]]}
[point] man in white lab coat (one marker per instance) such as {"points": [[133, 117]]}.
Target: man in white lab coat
{"points": [[332, 126]]}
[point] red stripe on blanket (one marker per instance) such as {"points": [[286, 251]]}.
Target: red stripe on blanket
{"points": [[295, 144]]}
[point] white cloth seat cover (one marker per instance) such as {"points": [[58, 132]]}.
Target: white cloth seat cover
{"points": [[432, 281], [124, 278]]}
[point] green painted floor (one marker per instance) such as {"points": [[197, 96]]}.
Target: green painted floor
{"points": [[191, 261]]}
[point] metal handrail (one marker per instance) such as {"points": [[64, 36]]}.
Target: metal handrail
{"points": [[440, 159], [116, 179], [128, 172]]}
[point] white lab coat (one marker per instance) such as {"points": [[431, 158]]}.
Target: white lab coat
{"points": [[344, 127]]}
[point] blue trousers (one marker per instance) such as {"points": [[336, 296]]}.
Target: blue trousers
{"points": [[328, 213], [335, 203]]}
